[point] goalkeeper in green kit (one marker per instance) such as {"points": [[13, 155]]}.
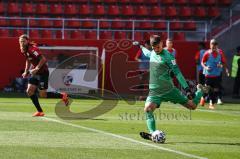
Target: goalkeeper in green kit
{"points": [[161, 88]]}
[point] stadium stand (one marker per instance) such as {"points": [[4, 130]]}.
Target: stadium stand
{"points": [[109, 15]]}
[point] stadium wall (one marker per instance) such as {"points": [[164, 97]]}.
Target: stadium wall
{"points": [[12, 62]]}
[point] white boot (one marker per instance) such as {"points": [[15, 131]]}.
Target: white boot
{"points": [[211, 106], [219, 102]]}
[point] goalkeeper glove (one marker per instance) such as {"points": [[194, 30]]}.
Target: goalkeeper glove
{"points": [[189, 93]]}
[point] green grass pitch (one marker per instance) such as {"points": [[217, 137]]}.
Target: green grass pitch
{"points": [[115, 134]]}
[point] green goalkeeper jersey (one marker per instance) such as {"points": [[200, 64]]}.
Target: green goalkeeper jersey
{"points": [[160, 67]]}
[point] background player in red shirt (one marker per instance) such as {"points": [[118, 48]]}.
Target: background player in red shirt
{"points": [[37, 68], [213, 62], [169, 47]]}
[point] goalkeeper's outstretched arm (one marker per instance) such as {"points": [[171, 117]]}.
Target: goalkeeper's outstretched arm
{"points": [[171, 62]]}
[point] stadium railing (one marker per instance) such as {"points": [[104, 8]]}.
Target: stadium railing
{"points": [[131, 27]]}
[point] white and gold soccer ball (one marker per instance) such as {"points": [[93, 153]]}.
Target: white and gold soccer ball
{"points": [[158, 136]]}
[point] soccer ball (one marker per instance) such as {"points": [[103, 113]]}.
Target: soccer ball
{"points": [[158, 136]]}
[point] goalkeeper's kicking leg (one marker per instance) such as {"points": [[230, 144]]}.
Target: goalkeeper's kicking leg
{"points": [[174, 96]]}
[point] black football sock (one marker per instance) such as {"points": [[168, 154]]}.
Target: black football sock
{"points": [[54, 95], [35, 101]]}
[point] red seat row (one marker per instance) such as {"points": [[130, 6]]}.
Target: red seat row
{"points": [[78, 35], [196, 2], [111, 10], [103, 1], [45, 23], [165, 2]]}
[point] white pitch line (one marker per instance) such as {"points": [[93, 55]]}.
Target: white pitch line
{"points": [[124, 138]]}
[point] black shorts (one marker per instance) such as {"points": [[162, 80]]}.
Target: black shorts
{"points": [[201, 78], [213, 82], [41, 81]]}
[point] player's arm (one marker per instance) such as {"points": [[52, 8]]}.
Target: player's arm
{"points": [[224, 62], [176, 71], [171, 62], [26, 70], [42, 61], [197, 58], [136, 58], [204, 60], [145, 51]]}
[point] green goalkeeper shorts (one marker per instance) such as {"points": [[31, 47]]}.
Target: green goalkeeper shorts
{"points": [[174, 96]]}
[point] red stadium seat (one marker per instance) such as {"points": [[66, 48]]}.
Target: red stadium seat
{"points": [[113, 10], [4, 33], [200, 12], [120, 35], [3, 22], [164, 35], [45, 23], [225, 2], [213, 12], [142, 11], [167, 2], [146, 35], [125, 1], [105, 35], [137, 36], [196, 2], [110, 1], [70, 9], [13, 8], [1, 8], [144, 25], [89, 24], [18, 32], [73, 23], [185, 12], [104, 24], [84, 10], [27, 8], [91, 35], [181, 2], [58, 23], [59, 35], [17, 22], [190, 25], [96, 1], [180, 36], [99, 10], [171, 12], [42, 8], [34, 34], [151, 1], [76, 34], [156, 11], [56, 9], [117, 24], [138, 1], [33, 22], [210, 2], [160, 25], [175, 25], [127, 10], [129, 24], [47, 34]]}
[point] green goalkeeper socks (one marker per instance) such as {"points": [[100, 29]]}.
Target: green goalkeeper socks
{"points": [[198, 95], [150, 121]]}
